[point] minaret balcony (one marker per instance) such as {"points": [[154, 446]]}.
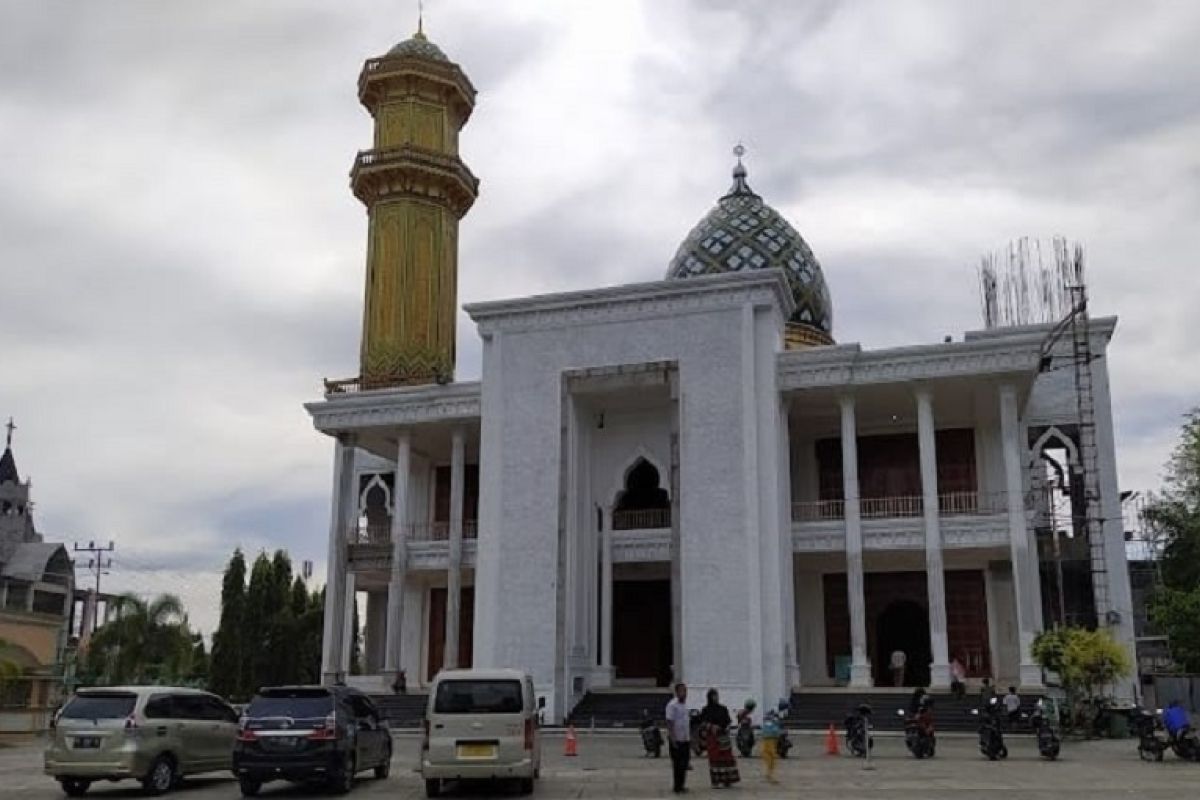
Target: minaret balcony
{"points": [[405, 75], [410, 171]]}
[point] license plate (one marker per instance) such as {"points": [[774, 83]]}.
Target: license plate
{"points": [[87, 742], [477, 751]]}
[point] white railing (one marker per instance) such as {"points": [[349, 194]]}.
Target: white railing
{"points": [[642, 519], [949, 504], [414, 532]]}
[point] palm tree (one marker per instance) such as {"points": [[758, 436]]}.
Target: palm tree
{"points": [[147, 640]]}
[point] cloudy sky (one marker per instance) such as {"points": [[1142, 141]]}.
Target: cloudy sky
{"points": [[181, 260]]}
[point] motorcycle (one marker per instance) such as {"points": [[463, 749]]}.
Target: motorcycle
{"points": [[785, 742], [745, 732], [991, 737], [1047, 738], [1185, 745], [652, 738], [858, 736], [918, 732], [1152, 737]]}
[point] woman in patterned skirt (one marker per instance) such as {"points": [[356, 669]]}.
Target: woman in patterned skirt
{"points": [[722, 765]]}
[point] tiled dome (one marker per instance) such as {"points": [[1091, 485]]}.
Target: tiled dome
{"points": [[418, 46], [742, 232]]}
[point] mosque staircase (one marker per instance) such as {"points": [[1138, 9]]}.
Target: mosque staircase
{"points": [[619, 709], [815, 710], [402, 710]]}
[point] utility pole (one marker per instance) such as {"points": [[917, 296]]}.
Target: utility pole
{"points": [[98, 565]]}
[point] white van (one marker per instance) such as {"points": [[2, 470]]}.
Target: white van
{"points": [[481, 724]]}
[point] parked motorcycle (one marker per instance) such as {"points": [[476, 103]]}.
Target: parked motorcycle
{"points": [[785, 742], [918, 731], [858, 735], [1048, 741], [745, 730], [991, 735], [652, 738], [1153, 740]]}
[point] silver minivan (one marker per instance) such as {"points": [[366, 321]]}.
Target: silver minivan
{"points": [[481, 724], [153, 734]]}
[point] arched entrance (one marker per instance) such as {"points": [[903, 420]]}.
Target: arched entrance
{"points": [[903, 625], [643, 503]]}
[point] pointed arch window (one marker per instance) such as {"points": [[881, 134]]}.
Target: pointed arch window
{"points": [[643, 503]]}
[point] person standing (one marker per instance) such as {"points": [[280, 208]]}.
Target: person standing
{"points": [[986, 693], [770, 743], [679, 737], [958, 677], [715, 719], [1012, 705], [899, 661]]}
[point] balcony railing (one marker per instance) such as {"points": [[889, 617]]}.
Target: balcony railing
{"points": [[641, 519], [415, 532], [949, 504]]}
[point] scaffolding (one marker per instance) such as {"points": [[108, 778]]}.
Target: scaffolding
{"points": [[1031, 283]]}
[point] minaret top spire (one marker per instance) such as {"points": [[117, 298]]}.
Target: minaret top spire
{"points": [[420, 34], [11, 426]]}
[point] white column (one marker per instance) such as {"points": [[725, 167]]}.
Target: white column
{"points": [[454, 572], [606, 594], [395, 601], [348, 607], [935, 579], [1023, 580], [344, 505], [860, 667]]}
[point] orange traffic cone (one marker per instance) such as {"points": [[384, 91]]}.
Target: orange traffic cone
{"points": [[831, 742], [569, 748]]}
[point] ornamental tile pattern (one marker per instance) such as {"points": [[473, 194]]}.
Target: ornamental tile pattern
{"points": [[744, 233]]}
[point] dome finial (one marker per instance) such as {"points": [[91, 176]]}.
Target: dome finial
{"points": [[420, 34], [740, 187]]}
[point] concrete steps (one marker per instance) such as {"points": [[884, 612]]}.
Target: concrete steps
{"points": [[402, 710], [816, 710], [619, 709]]}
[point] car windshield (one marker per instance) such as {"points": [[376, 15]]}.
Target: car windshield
{"points": [[297, 705], [111, 705], [478, 697]]}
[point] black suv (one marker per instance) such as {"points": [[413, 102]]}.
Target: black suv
{"points": [[310, 733]]}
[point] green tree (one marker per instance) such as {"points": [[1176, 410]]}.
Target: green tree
{"points": [[148, 641], [228, 652], [9, 670], [256, 625], [1174, 519]]}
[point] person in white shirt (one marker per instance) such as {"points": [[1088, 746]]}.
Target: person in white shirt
{"points": [[679, 736], [1012, 704]]}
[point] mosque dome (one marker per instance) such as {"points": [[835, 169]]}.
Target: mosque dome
{"points": [[418, 46], [744, 233]]}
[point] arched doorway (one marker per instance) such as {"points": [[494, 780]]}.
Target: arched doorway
{"points": [[903, 625]]}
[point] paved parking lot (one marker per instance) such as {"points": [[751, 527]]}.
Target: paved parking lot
{"points": [[611, 766]]}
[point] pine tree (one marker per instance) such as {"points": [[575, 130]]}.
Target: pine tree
{"points": [[226, 664], [257, 624]]}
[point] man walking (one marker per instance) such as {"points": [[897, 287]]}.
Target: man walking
{"points": [[679, 737]]}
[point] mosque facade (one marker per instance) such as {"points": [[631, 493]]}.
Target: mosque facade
{"points": [[688, 478]]}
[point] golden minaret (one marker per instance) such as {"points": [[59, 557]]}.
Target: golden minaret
{"points": [[416, 189]]}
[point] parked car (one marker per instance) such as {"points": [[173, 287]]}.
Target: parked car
{"points": [[480, 725], [326, 734], [154, 734]]}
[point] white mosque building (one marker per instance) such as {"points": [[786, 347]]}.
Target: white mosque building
{"points": [[689, 478]]}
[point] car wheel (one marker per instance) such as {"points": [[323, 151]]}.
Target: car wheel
{"points": [[433, 787], [526, 786], [385, 768], [342, 781], [75, 787], [161, 776], [249, 787], [1004, 752]]}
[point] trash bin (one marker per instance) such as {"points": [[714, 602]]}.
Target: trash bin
{"points": [[1118, 724]]}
